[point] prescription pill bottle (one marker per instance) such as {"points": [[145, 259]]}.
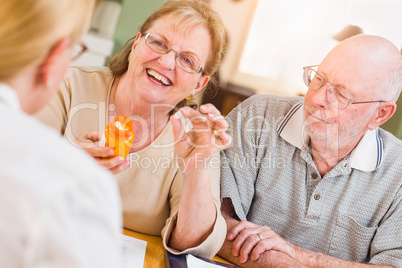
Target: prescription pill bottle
{"points": [[119, 136]]}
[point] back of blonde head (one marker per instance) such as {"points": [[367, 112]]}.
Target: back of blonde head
{"points": [[30, 28]]}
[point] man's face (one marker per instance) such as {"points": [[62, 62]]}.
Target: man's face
{"points": [[327, 126]]}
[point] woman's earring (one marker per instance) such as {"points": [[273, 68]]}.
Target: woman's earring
{"points": [[189, 97], [129, 57]]}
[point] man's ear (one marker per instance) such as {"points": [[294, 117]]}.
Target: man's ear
{"points": [[201, 83], [53, 61], [384, 112]]}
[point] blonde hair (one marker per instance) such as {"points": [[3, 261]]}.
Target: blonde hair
{"points": [[187, 14], [30, 28]]}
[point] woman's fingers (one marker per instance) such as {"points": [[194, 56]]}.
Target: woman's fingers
{"points": [[88, 140], [94, 136], [209, 108], [193, 116], [214, 116], [115, 164], [90, 143], [100, 152], [218, 122], [177, 127], [214, 121], [120, 165], [103, 155]]}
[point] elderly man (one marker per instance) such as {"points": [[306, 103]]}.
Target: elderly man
{"points": [[316, 182]]}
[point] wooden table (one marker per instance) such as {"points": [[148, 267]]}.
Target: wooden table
{"points": [[155, 255]]}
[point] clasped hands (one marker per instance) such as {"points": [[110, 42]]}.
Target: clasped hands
{"points": [[251, 241]]}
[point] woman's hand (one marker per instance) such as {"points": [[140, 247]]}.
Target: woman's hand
{"points": [[194, 151], [103, 155], [205, 138]]}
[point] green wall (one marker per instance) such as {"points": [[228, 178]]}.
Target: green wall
{"points": [[394, 124], [133, 14]]}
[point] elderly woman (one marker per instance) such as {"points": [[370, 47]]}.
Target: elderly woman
{"points": [[170, 183], [54, 198]]}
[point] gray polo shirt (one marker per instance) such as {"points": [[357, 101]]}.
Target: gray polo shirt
{"points": [[354, 212]]}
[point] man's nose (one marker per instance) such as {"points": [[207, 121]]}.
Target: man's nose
{"points": [[319, 96]]}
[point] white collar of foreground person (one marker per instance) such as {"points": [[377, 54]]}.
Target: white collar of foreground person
{"points": [[367, 156], [9, 98]]}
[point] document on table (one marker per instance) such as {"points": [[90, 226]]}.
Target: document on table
{"points": [[193, 262], [132, 252]]}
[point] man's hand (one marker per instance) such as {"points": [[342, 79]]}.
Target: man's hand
{"points": [[270, 250], [251, 240], [266, 259]]}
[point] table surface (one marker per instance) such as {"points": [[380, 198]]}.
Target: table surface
{"points": [[155, 254]]}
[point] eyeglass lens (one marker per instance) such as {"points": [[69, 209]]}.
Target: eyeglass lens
{"points": [[335, 96], [184, 60]]}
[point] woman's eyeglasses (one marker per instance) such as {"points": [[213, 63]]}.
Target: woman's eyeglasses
{"points": [[183, 59]]}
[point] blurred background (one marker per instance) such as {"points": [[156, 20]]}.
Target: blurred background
{"points": [[270, 40]]}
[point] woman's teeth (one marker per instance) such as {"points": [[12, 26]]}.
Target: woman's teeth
{"points": [[158, 78]]}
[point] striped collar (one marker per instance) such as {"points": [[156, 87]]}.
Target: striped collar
{"points": [[8, 97], [367, 156]]}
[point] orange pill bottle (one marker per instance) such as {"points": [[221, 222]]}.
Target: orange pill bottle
{"points": [[119, 136]]}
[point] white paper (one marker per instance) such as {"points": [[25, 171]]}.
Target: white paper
{"points": [[132, 252], [193, 262]]}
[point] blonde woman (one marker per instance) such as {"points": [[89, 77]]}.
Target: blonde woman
{"points": [[170, 182], [58, 208]]}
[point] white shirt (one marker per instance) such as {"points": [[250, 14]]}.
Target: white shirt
{"points": [[58, 208]]}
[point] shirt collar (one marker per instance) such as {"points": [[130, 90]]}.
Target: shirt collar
{"points": [[367, 156], [9, 97]]}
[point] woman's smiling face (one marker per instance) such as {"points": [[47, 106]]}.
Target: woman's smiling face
{"points": [[156, 78]]}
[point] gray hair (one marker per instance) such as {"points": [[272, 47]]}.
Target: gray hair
{"points": [[391, 87]]}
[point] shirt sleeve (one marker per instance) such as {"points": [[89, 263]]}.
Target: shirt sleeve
{"points": [[212, 244], [240, 162]]}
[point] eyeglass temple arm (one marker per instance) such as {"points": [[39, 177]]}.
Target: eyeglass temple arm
{"points": [[358, 102]]}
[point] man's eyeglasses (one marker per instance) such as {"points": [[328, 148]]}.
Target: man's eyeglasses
{"points": [[336, 96], [78, 50], [183, 59]]}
